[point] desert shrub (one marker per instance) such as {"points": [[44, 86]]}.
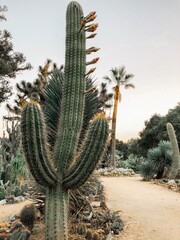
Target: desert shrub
{"points": [[146, 170], [119, 158], [2, 193], [132, 162], [19, 167], [158, 160]]}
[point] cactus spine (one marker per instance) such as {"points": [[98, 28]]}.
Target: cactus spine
{"points": [[66, 165], [175, 155]]}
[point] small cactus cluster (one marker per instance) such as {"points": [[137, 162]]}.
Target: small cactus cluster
{"points": [[27, 216], [92, 236], [59, 156], [79, 229], [18, 233]]}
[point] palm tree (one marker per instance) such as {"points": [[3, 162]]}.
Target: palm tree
{"points": [[118, 77], [105, 98]]}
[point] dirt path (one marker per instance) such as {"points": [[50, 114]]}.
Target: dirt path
{"points": [[9, 210], [150, 212]]}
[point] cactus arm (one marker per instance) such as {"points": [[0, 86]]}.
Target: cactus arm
{"points": [[90, 154], [175, 155], [73, 89], [35, 150], [56, 213]]}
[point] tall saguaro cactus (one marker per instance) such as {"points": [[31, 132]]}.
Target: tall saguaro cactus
{"points": [[175, 155], [64, 165]]}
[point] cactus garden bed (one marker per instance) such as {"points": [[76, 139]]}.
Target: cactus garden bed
{"points": [[89, 216], [173, 185]]}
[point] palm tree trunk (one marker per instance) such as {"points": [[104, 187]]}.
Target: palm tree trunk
{"points": [[113, 130]]}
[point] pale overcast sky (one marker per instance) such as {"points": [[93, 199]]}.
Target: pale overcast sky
{"points": [[142, 35]]}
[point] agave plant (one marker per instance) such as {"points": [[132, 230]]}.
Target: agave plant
{"points": [[160, 157], [146, 170]]}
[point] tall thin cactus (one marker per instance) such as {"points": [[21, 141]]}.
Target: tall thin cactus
{"points": [[175, 154], [64, 165]]}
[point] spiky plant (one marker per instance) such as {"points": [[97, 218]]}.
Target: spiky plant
{"points": [[147, 170], [64, 165], [160, 157], [175, 151], [19, 169]]}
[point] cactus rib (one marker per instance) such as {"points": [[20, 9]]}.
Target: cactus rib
{"points": [[34, 145], [89, 155], [73, 89], [175, 155]]}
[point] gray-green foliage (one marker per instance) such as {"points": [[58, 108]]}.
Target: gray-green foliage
{"points": [[132, 162], [3, 192], [158, 159], [19, 168], [146, 170], [119, 158], [175, 151]]}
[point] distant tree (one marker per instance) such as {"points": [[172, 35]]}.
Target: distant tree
{"points": [[119, 78], [133, 147], [173, 117], [155, 129], [11, 62], [149, 135], [2, 10], [122, 147]]}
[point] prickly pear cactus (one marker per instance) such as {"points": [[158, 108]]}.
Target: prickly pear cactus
{"points": [[64, 165]]}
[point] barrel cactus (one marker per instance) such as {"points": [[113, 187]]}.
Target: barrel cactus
{"points": [[67, 162], [175, 154]]}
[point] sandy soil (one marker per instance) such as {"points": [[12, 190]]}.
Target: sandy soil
{"points": [[150, 212], [9, 210]]}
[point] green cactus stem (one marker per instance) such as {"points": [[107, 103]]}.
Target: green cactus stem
{"points": [[175, 155], [52, 134]]}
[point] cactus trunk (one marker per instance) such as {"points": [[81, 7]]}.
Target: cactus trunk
{"points": [[56, 223], [58, 163], [175, 154]]}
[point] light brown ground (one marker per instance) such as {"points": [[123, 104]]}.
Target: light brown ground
{"points": [[150, 212], [9, 210]]}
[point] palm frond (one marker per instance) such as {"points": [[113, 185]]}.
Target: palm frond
{"points": [[118, 74], [110, 96], [107, 79], [128, 76], [108, 105], [129, 85]]}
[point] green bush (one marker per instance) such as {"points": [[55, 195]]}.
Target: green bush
{"points": [[146, 170], [119, 158], [132, 162], [2, 193], [160, 158], [19, 167]]}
